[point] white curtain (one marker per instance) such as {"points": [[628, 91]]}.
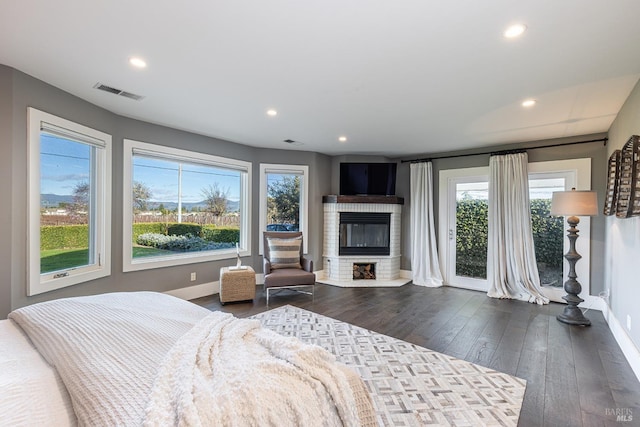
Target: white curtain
{"points": [[511, 257], [424, 252]]}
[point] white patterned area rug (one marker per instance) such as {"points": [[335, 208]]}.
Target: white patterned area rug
{"points": [[410, 385]]}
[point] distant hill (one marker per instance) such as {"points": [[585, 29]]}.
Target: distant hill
{"points": [[54, 200], [231, 205]]}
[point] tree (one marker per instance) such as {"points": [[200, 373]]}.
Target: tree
{"points": [[283, 200], [216, 199], [141, 196], [80, 198]]}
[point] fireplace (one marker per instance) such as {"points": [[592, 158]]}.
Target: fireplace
{"points": [[364, 233], [362, 240]]}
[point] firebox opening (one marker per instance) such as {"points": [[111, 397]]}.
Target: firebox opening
{"points": [[364, 233], [364, 271]]}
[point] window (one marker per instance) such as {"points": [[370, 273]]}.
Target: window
{"points": [[283, 199], [548, 231], [69, 203], [182, 207], [552, 175]]}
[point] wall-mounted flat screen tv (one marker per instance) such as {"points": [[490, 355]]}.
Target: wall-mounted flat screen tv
{"points": [[371, 179]]}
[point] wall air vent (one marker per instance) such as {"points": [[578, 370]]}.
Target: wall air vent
{"points": [[118, 92]]}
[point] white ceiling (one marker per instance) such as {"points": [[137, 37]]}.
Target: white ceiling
{"points": [[396, 77]]}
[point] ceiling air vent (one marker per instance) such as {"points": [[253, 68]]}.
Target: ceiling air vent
{"points": [[292, 142], [119, 92]]}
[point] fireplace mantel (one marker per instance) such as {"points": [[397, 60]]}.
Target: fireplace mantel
{"points": [[385, 200]]}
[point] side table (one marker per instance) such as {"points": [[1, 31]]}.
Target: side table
{"points": [[237, 285]]}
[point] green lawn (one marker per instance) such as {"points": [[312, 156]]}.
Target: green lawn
{"points": [[142, 251], [62, 259]]}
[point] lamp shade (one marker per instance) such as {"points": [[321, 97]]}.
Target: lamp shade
{"points": [[574, 203]]}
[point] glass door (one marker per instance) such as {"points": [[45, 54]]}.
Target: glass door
{"points": [[466, 233]]}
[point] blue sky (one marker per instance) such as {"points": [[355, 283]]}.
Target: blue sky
{"points": [[65, 163], [161, 177]]}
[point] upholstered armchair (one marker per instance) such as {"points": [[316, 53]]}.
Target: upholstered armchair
{"points": [[284, 265]]}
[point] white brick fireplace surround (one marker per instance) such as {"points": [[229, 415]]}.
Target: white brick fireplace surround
{"points": [[338, 269]]}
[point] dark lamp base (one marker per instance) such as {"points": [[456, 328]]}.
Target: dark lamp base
{"points": [[572, 315]]}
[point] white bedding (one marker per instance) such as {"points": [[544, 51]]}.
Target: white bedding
{"points": [[113, 351], [32, 392], [107, 348]]}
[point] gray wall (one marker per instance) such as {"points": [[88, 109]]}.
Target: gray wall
{"points": [[19, 91], [6, 127], [623, 235], [597, 152]]}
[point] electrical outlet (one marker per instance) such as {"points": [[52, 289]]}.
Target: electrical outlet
{"points": [[193, 276], [629, 322]]}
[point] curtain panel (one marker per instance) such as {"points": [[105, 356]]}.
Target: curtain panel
{"points": [[424, 252], [511, 259]]}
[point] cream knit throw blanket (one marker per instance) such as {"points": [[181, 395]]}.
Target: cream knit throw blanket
{"points": [[231, 372], [136, 358]]}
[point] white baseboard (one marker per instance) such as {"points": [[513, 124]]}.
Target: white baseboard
{"points": [[629, 349], [593, 302], [196, 291]]}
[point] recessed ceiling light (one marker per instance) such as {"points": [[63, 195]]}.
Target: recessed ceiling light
{"points": [[515, 31], [529, 103], [137, 62], [272, 112], [342, 139]]}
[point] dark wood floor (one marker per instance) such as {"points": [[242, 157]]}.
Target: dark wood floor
{"points": [[575, 376]]}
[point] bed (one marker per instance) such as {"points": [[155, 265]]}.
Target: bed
{"points": [[145, 358]]}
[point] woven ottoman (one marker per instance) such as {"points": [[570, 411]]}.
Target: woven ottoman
{"points": [[237, 285]]}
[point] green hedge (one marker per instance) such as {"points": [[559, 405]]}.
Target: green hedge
{"points": [[210, 233], [471, 236], [64, 236], [183, 229], [221, 234], [546, 229], [77, 236]]}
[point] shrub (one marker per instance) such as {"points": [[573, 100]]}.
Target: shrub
{"points": [[546, 229], [186, 243], [210, 233], [64, 236], [148, 227], [471, 237], [221, 234]]}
